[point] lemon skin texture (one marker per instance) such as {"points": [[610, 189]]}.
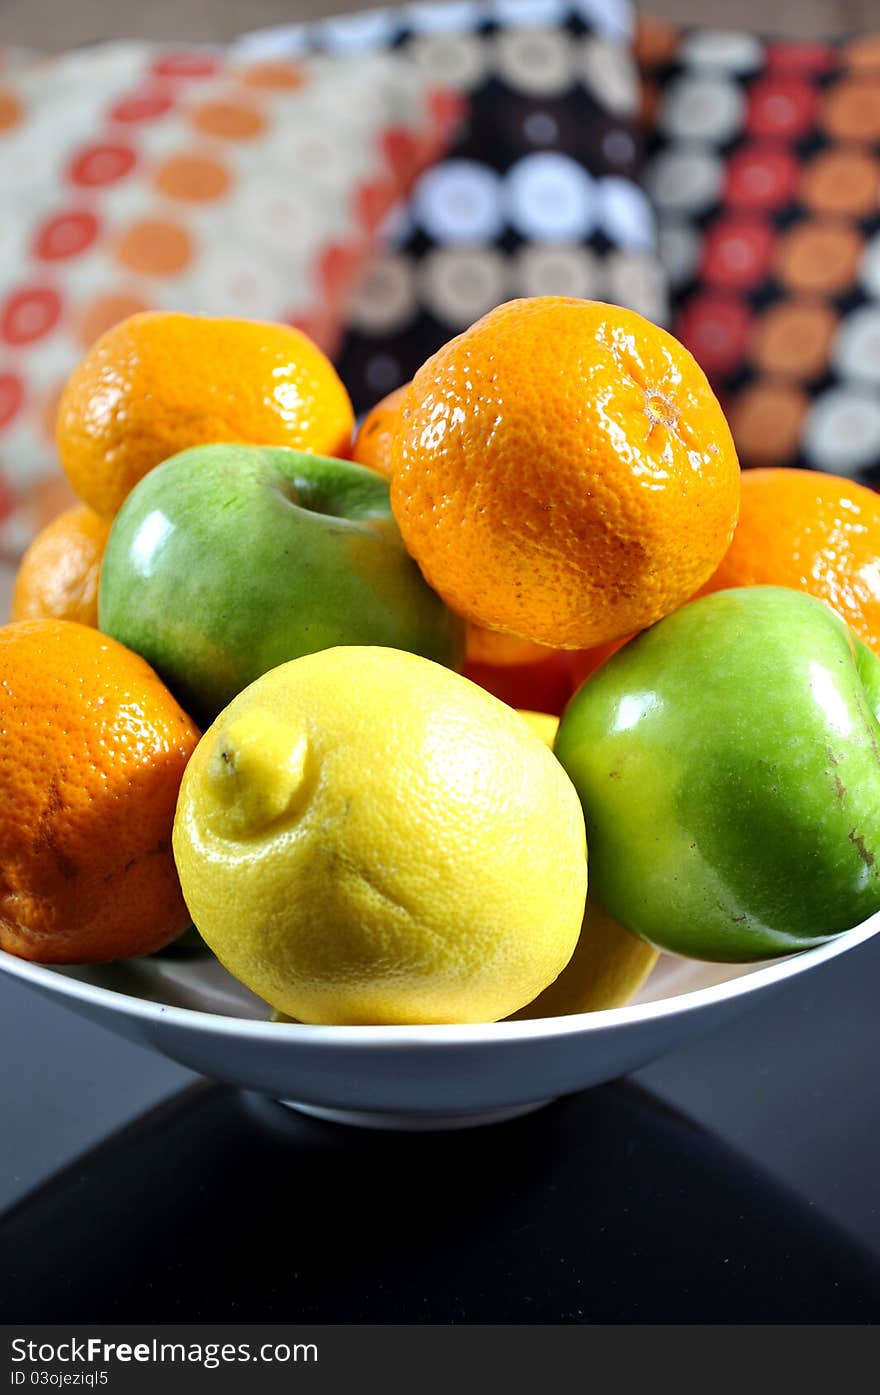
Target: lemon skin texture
{"points": [[365, 836]]}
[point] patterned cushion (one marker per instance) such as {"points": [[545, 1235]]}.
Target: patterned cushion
{"points": [[539, 193], [134, 178], [766, 178]]}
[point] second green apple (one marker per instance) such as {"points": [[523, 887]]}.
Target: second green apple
{"points": [[228, 560], [728, 764]]}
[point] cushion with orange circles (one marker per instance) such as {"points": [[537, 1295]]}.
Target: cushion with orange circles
{"points": [[766, 178], [198, 179]]}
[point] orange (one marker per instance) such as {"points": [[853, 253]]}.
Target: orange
{"points": [[813, 532], [159, 382], [59, 573], [93, 752], [563, 471], [372, 447], [587, 661], [541, 687], [497, 648], [541, 684], [372, 444]]}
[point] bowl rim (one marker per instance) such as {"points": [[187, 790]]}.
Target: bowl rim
{"points": [[463, 1034]]}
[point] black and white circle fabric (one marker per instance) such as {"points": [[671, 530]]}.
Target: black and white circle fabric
{"points": [[539, 195]]}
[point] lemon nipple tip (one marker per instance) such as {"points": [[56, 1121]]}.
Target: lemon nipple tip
{"points": [[258, 771]]}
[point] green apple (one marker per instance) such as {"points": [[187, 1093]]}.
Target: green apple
{"points": [[728, 765], [227, 560]]}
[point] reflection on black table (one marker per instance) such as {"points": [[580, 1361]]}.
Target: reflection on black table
{"points": [[604, 1207]]}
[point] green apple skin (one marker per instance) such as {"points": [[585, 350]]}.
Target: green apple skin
{"points": [[728, 763], [227, 560]]}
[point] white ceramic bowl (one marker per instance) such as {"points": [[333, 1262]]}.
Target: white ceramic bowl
{"points": [[193, 1011]]}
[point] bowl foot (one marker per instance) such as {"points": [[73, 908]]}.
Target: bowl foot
{"points": [[414, 1122]]}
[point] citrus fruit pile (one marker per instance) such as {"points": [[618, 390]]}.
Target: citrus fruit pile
{"points": [[364, 710]]}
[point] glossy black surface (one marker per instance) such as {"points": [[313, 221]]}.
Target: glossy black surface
{"points": [[605, 1207], [755, 1200]]}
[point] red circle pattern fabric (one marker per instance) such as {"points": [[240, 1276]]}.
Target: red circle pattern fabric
{"points": [[765, 173]]}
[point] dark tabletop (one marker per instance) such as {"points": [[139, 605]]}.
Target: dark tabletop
{"points": [[734, 1180]]}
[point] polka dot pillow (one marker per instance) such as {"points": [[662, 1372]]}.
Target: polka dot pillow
{"points": [[196, 180], [766, 178], [538, 195]]}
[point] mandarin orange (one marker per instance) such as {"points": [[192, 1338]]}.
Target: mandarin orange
{"points": [[812, 532], [92, 754], [372, 447], [537, 687], [541, 679], [373, 442], [59, 574], [503, 650], [158, 382], [586, 661], [564, 472]]}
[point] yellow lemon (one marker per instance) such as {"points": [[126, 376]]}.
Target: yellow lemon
{"points": [[607, 969], [364, 836]]}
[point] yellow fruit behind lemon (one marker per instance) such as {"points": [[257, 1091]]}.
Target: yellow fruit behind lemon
{"points": [[364, 836], [609, 965], [607, 969], [543, 724], [159, 382]]}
